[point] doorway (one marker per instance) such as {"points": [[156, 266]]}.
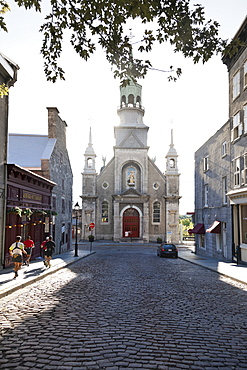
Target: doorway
{"points": [[131, 223]]}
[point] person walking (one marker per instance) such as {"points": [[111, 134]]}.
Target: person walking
{"points": [[43, 247], [16, 250], [28, 245], [49, 250]]}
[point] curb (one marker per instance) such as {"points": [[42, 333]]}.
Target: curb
{"points": [[40, 277], [211, 269]]}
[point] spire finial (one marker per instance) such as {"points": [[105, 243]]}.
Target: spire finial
{"points": [[172, 145], [90, 137]]}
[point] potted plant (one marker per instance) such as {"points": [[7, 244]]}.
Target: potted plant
{"points": [[39, 212], [159, 240], [27, 212], [15, 210], [91, 238]]}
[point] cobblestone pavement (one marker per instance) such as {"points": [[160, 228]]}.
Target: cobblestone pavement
{"points": [[126, 308]]}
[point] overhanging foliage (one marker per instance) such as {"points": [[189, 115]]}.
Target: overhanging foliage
{"points": [[101, 22]]}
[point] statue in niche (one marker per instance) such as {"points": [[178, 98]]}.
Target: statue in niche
{"points": [[131, 176]]}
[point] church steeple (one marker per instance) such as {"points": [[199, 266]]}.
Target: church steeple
{"points": [[131, 111], [131, 132], [89, 166], [172, 159]]}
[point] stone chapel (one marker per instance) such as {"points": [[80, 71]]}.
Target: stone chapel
{"points": [[131, 199]]}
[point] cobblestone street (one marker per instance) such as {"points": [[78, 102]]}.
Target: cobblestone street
{"points": [[125, 308]]}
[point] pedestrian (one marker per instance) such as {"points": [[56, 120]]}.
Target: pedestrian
{"points": [[16, 250], [48, 252], [43, 244], [28, 245]]}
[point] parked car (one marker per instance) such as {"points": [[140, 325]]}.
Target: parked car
{"points": [[167, 250]]}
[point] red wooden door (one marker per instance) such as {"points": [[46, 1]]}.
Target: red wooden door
{"points": [[131, 223]]}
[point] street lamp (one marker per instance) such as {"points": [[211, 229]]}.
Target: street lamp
{"points": [[76, 208]]}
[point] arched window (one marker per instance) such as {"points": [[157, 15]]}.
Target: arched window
{"points": [[89, 163], [123, 101], [172, 163], [104, 211], [156, 212], [131, 100], [138, 101]]}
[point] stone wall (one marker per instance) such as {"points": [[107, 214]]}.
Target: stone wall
{"points": [[219, 166]]}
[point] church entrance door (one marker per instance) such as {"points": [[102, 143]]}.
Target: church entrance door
{"points": [[131, 223]]}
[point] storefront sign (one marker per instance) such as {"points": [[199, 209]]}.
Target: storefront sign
{"points": [[26, 195]]}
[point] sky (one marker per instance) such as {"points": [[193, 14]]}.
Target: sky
{"points": [[195, 106]]}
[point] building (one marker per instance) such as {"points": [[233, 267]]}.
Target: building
{"points": [[28, 208], [131, 199], [212, 207], [221, 170], [237, 72], [47, 156], [8, 76]]}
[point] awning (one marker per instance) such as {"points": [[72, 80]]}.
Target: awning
{"points": [[214, 228], [198, 229]]}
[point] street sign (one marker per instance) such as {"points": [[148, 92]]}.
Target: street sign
{"points": [[92, 225]]}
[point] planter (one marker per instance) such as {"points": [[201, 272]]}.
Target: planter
{"points": [[27, 212], [15, 210], [91, 238]]}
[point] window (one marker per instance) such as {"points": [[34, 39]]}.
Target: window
{"points": [[237, 127], [105, 185], [172, 163], [245, 74], [236, 85], [156, 185], [236, 165], [245, 118], [130, 100], [244, 171], [243, 226], [205, 163], [138, 101], [206, 195], [156, 212], [224, 189], [54, 202], [89, 163], [223, 149], [123, 101], [104, 211], [63, 205]]}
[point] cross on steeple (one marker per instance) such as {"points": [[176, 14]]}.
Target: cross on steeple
{"points": [[131, 36]]}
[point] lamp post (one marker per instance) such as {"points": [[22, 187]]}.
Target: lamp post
{"points": [[76, 208]]}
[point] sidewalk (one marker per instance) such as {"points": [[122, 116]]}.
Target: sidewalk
{"points": [[37, 270], [228, 269]]}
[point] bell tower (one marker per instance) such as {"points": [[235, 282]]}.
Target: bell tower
{"points": [[90, 156], [172, 194], [89, 177]]}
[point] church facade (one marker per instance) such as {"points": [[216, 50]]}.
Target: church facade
{"points": [[131, 199]]}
